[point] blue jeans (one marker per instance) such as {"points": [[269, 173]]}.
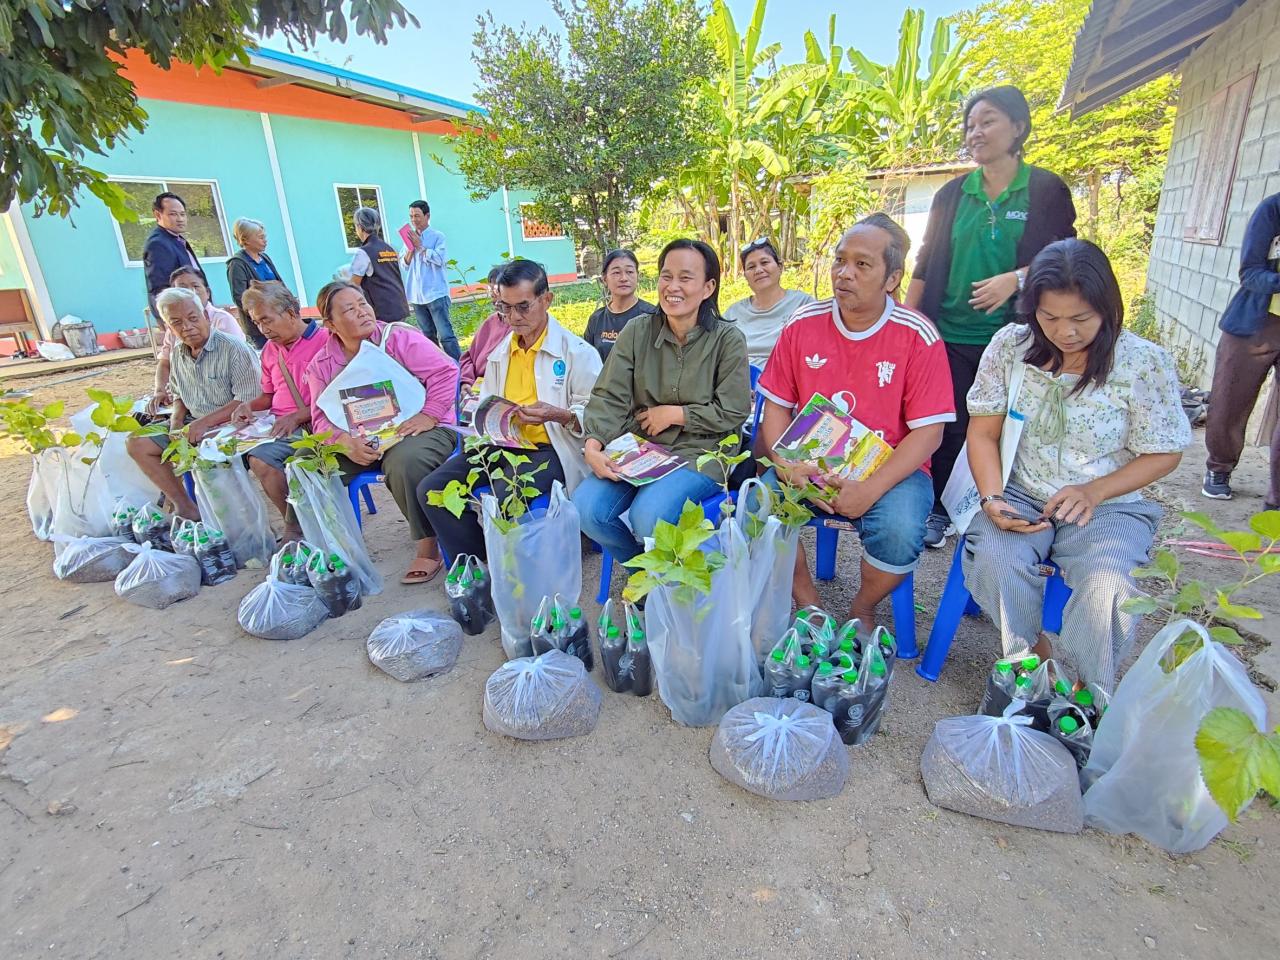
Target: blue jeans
{"points": [[600, 503], [892, 531], [433, 318]]}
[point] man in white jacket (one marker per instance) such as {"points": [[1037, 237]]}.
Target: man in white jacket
{"points": [[548, 373]]}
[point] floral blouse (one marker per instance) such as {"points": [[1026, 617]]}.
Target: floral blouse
{"points": [[1075, 439]]}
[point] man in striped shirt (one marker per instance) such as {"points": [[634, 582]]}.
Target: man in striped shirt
{"points": [[210, 375], [887, 367]]}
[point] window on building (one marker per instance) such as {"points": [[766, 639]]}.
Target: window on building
{"points": [[1216, 166], [206, 223], [534, 229], [350, 198]]}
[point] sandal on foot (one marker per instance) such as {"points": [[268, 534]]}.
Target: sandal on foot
{"points": [[422, 570]]}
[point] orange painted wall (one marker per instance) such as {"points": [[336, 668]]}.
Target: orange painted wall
{"points": [[182, 83]]}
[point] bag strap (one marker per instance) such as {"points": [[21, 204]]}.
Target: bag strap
{"points": [[290, 382]]}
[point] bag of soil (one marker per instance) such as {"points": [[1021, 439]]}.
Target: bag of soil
{"points": [[89, 559], [781, 749], [157, 578], [998, 768], [276, 610], [415, 645], [541, 698]]}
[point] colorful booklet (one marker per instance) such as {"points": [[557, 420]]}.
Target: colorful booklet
{"points": [[252, 434], [822, 433], [494, 419], [642, 461], [369, 407]]}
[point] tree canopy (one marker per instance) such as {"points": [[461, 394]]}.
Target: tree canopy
{"points": [[63, 95]]}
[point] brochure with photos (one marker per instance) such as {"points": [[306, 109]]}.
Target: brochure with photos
{"points": [[642, 461], [822, 433]]}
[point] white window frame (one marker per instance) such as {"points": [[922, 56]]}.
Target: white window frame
{"points": [[528, 239], [337, 202], [163, 184]]}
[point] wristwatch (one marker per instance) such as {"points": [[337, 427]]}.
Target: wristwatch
{"points": [[990, 498], [1021, 274]]}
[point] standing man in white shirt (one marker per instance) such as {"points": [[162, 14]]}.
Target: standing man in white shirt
{"points": [[425, 281]]}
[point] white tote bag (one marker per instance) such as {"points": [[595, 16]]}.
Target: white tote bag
{"points": [[370, 366], [960, 496]]}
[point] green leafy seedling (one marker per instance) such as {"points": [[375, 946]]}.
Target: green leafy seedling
{"points": [[677, 558]]}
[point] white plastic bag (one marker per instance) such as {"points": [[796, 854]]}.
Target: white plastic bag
{"points": [[772, 558], [415, 645], [156, 578], [999, 769], [328, 522], [275, 610], [701, 643], [541, 698], [1144, 770], [40, 494], [231, 502], [89, 559], [783, 749], [373, 365], [83, 502], [539, 557]]}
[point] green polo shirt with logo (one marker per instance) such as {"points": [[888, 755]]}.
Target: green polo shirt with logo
{"points": [[984, 243]]}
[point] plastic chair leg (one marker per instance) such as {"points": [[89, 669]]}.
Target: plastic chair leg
{"points": [[825, 551], [606, 576], [1056, 595], [368, 499], [904, 617], [971, 608], [353, 492], [955, 600]]}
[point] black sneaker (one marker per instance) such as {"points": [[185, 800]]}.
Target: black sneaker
{"points": [[936, 530], [1217, 486]]}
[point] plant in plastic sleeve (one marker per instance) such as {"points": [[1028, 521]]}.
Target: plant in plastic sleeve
{"points": [[780, 749], [771, 543], [537, 555], [324, 511], [30, 427], [697, 616], [157, 578], [89, 559], [541, 698], [278, 610], [998, 768], [232, 503], [415, 645]]}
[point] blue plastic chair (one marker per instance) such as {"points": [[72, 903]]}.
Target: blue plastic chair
{"points": [[957, 602], [710, 509]]}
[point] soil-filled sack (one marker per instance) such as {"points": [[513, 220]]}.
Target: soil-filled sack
{"points": [[415, 645], [277, 610], [999, 768], [89, 559], [541, 698], [782, 749], [157, 578]]}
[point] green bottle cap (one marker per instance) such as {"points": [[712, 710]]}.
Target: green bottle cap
{"points": [[451, 578], [779, 655], [826, 669], [819, 649], [204, 538], [850, 676], [612, 632], [1031, 662], [575, 613], [637, 636], [802, 661], [479, 574], [1004, 666], [1084, 698], [1022, 682], [846, 661], [846, 646], [1061, 687], [338, 566], [1068, 724], [537, 623], [886, 639], [878, 668]]}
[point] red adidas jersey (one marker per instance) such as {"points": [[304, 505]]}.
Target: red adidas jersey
{"points": [[893, 377]]}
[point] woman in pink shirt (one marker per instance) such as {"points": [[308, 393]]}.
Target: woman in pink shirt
{"points": [[423, 443], [487, 336], [291, 345]]}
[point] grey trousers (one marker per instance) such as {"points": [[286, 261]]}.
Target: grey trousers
{"points": [[405, 465], [1002, 571]]}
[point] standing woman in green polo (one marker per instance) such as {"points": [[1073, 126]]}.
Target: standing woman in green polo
{"points": [[984, 229]]}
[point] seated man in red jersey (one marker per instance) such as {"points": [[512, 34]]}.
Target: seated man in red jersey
{"points": [[884, 365]]}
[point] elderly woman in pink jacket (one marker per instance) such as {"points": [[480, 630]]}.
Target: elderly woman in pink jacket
{"points": [[347, 383]]}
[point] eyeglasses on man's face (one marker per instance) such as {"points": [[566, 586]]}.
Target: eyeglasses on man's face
{"points": [[521, 309]]}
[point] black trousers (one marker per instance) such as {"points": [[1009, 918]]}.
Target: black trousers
{"points": [[963, 359], [459, 535]]}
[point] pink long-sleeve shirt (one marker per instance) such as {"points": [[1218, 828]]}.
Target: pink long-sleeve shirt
{"points": [[490, 333], [432, 366]]}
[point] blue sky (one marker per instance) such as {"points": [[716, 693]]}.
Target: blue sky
{"points": [[436, 56]]}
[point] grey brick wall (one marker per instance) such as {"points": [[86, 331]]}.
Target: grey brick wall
{"points": [[1191, 282]]}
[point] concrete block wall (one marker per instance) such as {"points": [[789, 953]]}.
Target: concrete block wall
{"points": [[1191, 282]]}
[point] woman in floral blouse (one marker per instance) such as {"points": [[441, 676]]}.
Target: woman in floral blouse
{"points": [[1102, 419]]}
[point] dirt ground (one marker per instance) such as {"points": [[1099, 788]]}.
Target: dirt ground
{"points": [[170, 787]]}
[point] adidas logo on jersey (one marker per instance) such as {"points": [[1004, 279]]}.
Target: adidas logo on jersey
{"points": [[816, 362]]}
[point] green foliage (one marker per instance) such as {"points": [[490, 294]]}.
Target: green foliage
{"points": [[495, 468], [1237, 759], [588, 122], [677, 558], [64, 92], [30, 425], [113, 413], [726, 458], [317, 453], [1180, 599], [181, 453], [1188, 356]]}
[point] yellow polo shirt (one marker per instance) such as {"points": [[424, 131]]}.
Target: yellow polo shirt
{"points": [[522, 388]]}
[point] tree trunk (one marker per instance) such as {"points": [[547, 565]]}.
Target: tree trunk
{"points": [[1095, 196], [735, 240]]}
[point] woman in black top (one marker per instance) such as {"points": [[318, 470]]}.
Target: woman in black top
{"points": [[246, 265], [621, 277], [984, 229]]}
